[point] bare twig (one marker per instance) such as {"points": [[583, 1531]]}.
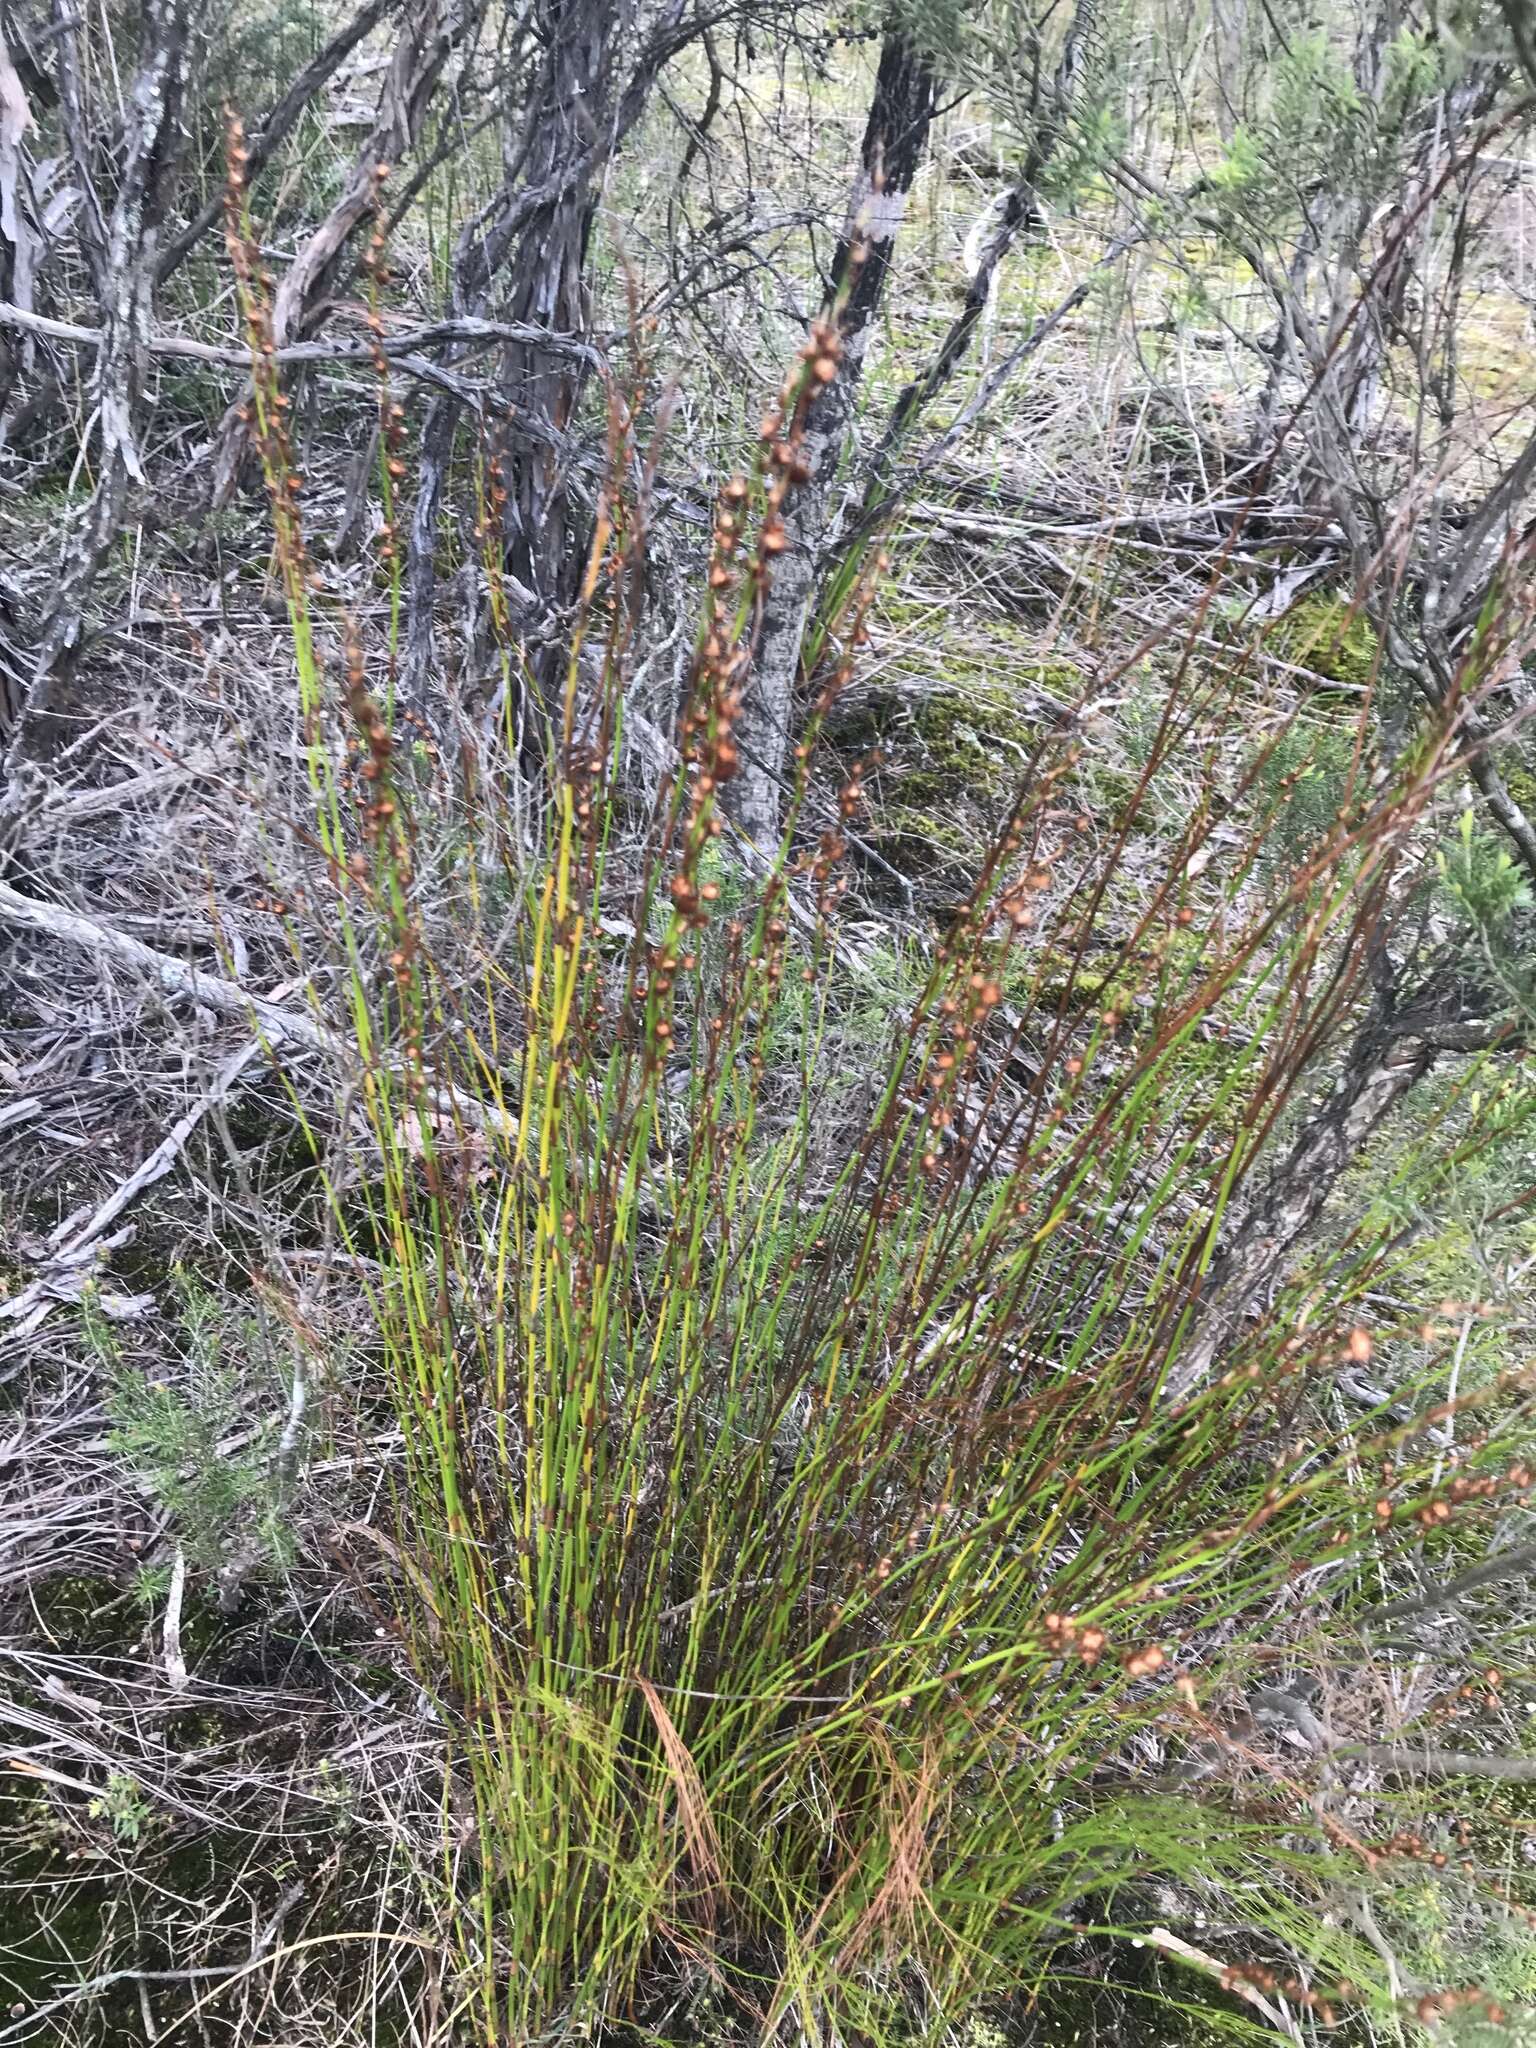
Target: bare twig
{"points": [[75, 1241], [1402, 1759], [1391, 1052], [434, 29], [1185, 1952]]}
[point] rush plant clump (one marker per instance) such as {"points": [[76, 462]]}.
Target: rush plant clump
{"points": [[839, 1553]]}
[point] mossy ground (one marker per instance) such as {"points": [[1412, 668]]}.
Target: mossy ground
{"points": [[1329, 636], [952, 722]]}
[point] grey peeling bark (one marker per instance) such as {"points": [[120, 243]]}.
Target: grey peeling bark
{"points": [[267, 138], [154, 103], [1391, 1052], [18, 253], [536, 237], [895, 141], [432, 31], [547, 287], [19, 242], [1020, 214]]}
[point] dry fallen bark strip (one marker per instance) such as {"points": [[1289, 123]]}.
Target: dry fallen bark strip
{"points": [[1183, 1951]]}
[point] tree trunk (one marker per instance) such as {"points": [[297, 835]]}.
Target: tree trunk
{"points": [[1020, 214], [546, 286], [154, 103], [1390, 1054], [536, 237], [1229, 33], [895, 141]]}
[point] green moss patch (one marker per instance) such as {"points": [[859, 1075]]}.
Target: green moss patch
{"points": [[950, 761], [1328, 635]]}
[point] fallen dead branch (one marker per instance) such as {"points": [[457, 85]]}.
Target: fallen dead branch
{"points": [[461, 334], [73, 1237], [278, 1027], [1505, 1564], [1403, 1760], [74, 1245]]}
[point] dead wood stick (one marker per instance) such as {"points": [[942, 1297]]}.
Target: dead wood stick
{"points": [[275, 1026], [1173, 1945], [1401, 1758], [461, 334], [1397, 1757], [170, 1631], [73, 1236], [278, 1026], [1505, 1564]]}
